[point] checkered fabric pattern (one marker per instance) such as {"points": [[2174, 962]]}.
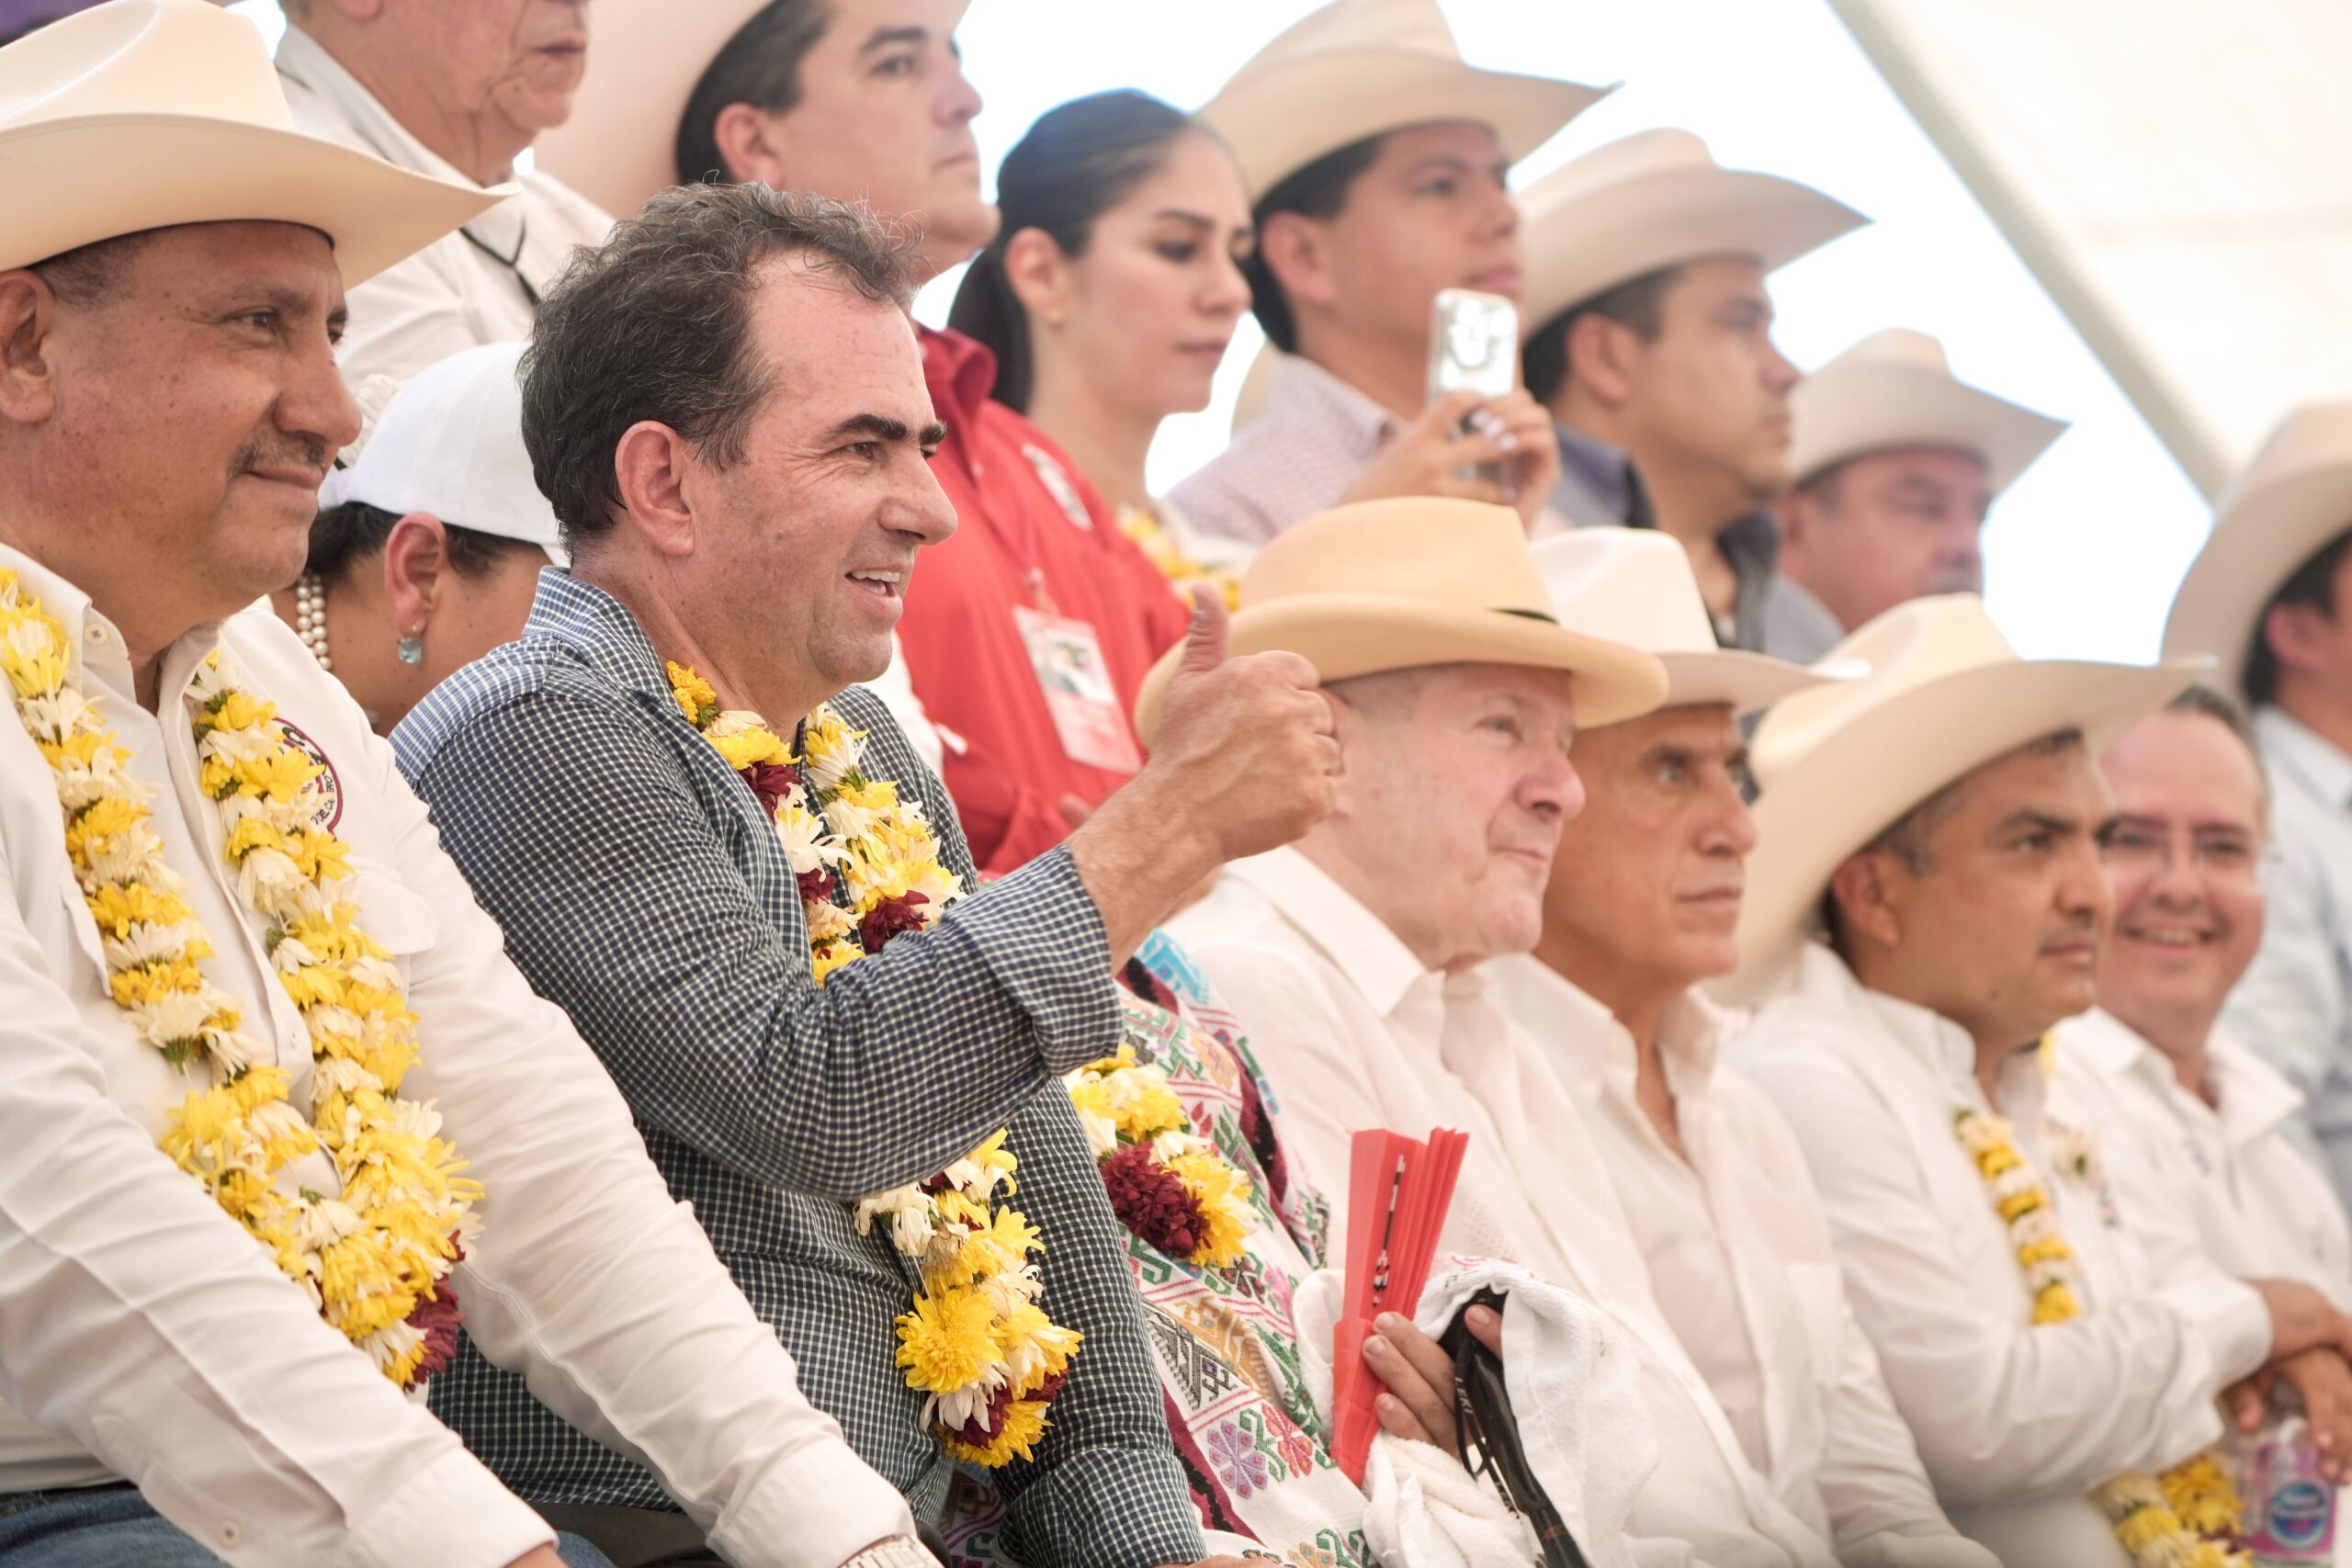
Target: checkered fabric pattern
{"points": [[641, 888], [1316, 438]]}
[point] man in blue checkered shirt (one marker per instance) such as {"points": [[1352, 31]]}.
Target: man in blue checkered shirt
{"points": [[726, 407]]}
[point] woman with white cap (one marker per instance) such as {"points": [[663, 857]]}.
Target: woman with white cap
{"points": [[426, 551]]}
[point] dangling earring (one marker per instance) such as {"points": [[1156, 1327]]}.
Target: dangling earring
{"points": [[412, 647]]}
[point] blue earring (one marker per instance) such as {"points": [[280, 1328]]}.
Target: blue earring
{"points": [[412, 649]]}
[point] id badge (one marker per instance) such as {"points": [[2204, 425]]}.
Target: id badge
{"points": [[1078, 694]]}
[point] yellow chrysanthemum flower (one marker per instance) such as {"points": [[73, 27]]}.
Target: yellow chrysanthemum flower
{"points": [[946, 1342], [1223, 1194], [1016, 1437]]}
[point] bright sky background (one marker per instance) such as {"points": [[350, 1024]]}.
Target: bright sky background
{"points": [[2084, 551]]}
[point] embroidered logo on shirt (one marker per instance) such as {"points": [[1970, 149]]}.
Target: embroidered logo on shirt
{"points": [[1052, 476], [330, 811]]}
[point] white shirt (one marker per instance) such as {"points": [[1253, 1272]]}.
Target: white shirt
{"points": [[1358, 1035], [2294, 1005], [144, 1335], [1740, 1264], [2015, 1422], [2256, 1205], [474, 286]]}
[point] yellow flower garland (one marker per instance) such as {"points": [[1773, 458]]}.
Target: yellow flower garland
{"points": [[976, 1341], [374, 1259], [1124, 1102], [2188, 1517]]}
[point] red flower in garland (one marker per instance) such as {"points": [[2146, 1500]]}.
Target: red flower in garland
{"points": [[816, 884], [1150, 1201], [978, 1436], [772, 782], [888, 918], [436, 1318]]}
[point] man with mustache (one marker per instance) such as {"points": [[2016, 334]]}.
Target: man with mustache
{"points": [[1926, 900], [710, 844], [254, 1021], [1030, 630], [1650, 341], [456, 89], [1641, 910]]}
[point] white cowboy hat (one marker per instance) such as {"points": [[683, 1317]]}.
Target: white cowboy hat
{"points": [[1357, 68], [148, 114], [1397, 585], [645, 60], [450, 444], [1634, 586], [1895, 389], [1655, 199], [1839, 765], [2292, 500]]}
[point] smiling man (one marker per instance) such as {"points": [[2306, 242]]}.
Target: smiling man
{"points": [[1650, 341], [700, 834], [1375, 160], [456, 89], [1928, 879], [1642, 908]]}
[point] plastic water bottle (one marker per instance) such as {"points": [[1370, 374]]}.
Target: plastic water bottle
{"points": [[2290, 1506]]}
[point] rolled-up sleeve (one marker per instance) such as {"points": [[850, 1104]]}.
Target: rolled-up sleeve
{"points": [[618, 891], [591, 1281]]}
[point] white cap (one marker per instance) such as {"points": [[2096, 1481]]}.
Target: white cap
{"points": [[450, 444]]}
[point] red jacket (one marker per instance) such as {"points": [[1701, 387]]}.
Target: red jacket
{"points": [[963, 649]]}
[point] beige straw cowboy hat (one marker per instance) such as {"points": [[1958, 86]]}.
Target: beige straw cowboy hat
{"points": [[1357, 67], [1839, 765], [2293, 497], [645, 60], [1397, 584], [1634, 586], [1895, 389], [1655, 199], [147, 114]]}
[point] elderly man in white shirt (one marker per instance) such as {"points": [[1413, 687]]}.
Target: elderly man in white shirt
{"points": [[1642, 906], [1358, 958], [456, 93], [269, 1087], [1934, 830]]}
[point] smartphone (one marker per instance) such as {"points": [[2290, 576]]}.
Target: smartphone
{"points": [[1474, 346]]}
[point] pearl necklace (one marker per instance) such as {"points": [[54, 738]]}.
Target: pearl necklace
{"points": [[311, 616]]}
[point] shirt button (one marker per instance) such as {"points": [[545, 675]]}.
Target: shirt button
{"points": [[97, 634], [230, 1533]]}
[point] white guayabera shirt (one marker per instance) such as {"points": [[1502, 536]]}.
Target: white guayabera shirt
{"points": [[1741, 1266], [1356, 1033], [145, 1336], [2017, 1422]]}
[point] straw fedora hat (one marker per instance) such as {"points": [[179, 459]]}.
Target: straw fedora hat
{"points": [[1654, 199], [1357, 68], [645, 60], [2293, 497], [1397, 585], [1839, 765], [1895, 389], [147, 114], [1634, 586]]}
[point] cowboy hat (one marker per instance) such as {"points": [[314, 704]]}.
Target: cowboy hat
{"points": [[620, 144], [147, 114], [1839, 765], [1397, 585], [2293, 499], [1655, 199], [1357, 67], [1634, 586], [1895, 389]]}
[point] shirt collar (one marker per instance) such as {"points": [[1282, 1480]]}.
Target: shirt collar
{"points": [[960, 372], [1938, 1045], [600, 629], [2292, 749], [1590, 1043], [1357, 942], [1306, 393], [96, 650], [1604, 472], [305, 61], [2255, 1097]]}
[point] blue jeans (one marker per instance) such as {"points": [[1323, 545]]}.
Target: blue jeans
{"points": [[116, 1529]]}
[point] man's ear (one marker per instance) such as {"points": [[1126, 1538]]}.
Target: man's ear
{"points": [[28, 315], [1602, 358], [753, 145], [2292, 632], [1038, 274], [1297, 250], [650, 469], [1860, 889]]}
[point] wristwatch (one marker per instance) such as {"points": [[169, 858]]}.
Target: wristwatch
{"points": [[898, 1553]]}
